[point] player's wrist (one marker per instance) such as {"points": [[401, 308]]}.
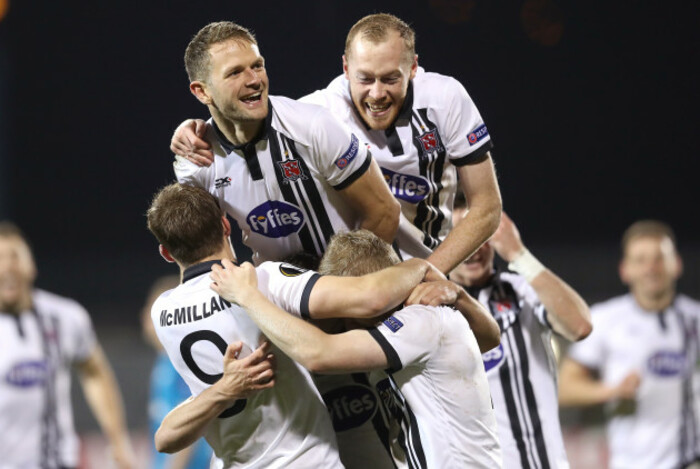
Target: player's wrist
{"points": [[526, 265]]}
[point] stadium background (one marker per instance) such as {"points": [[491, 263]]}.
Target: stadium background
{"points": [[592, 107]]}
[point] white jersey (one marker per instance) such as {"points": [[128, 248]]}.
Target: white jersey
{"points": [[661, 429], [436, 389], [282, 189], [286, 426], [438, 129], [38, 348], [522, 375]]}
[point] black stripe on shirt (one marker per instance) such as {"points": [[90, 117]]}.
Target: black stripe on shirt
{"points": [[477, 156], [306, 295], [411, 442], [378, 422], [391, 356]]}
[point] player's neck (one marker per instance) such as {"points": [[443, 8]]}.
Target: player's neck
{"points": [[24, 303], [241, 132], [654, 303], [226, 252]]}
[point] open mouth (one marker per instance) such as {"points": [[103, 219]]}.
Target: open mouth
{"points": [[253, 98], [376, 108]]}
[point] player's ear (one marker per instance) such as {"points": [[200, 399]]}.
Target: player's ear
{"points": [[199, 90], [227, 226], [165, 254], [414, 67], [345, 67]]}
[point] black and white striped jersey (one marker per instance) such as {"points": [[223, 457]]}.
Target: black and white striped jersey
{"points": [[438, 129], [522, 375], [286, 426], [37, 349], [282, 188], [662, 428], [436, 390]]}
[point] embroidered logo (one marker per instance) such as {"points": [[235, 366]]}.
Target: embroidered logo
{"points": [[393, 324], [222, 182], [430, 142], [349, 154], [292, 171], [289, 270], [275, 219], [477, 134], [406, 186]]}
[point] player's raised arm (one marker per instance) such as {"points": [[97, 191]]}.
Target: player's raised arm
{"points": [[189, 421], [317, 351], [189, 142], [478, 181], [567, 312], [444, 292]]}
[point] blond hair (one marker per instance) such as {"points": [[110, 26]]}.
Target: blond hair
{"points": [[357, 253], [375, 29]]}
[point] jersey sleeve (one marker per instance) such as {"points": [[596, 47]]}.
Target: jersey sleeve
{"points": [[83, 334], [467, 137], [187, 172], [590, 352], [407, 337], [338, 154], [287, 286], [529, 296]]}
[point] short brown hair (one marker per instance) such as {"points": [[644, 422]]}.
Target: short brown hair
{"points": [[647, 228], [197, 57], [186, 220], [376, 27], [357, 253]]}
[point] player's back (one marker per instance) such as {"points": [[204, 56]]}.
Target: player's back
{"points": [[286, 426], [437, 389]]}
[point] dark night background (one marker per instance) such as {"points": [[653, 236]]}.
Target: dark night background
{"points": [[592, 131]]}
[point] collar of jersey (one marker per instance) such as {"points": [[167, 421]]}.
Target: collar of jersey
{"points": [[197, 269], [229, 146]]}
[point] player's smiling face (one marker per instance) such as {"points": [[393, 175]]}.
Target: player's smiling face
{"points": [[379, 75], [17, 273], [650, 266], [237, 85]]}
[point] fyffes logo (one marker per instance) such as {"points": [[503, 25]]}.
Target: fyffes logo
{"points": [[275, 219], [27, 374], [493, 358], [350, 406], [666, 363], [405, 186]]}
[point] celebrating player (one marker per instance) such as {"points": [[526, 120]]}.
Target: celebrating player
{"points": [[528, 305], [645, 348], [289, 173], [43, 336], [422, 128], [435, 385], [197, 328]]}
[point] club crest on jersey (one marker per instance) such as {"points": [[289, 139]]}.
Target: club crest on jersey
{"points": [[289, 270], [27, 374], [292, 171], [349, 154], [477, 134], [429, 142], [667, 363], [350, 406], [406, 186], [493, 359], [275, 219], [393, 324], [222, 182]]}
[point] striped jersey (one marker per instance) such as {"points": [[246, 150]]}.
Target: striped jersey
{"points": [[436, 390], [282, 187], [438, 129], [38, 348], [661, 429], [286, 426], [522, 375]]}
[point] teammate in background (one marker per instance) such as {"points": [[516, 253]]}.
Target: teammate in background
{"points": [[296, 431], [644, 347], [289, 173], [422, 128], [43, 336], [528, 305], [167, 390], [435, 386]]}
